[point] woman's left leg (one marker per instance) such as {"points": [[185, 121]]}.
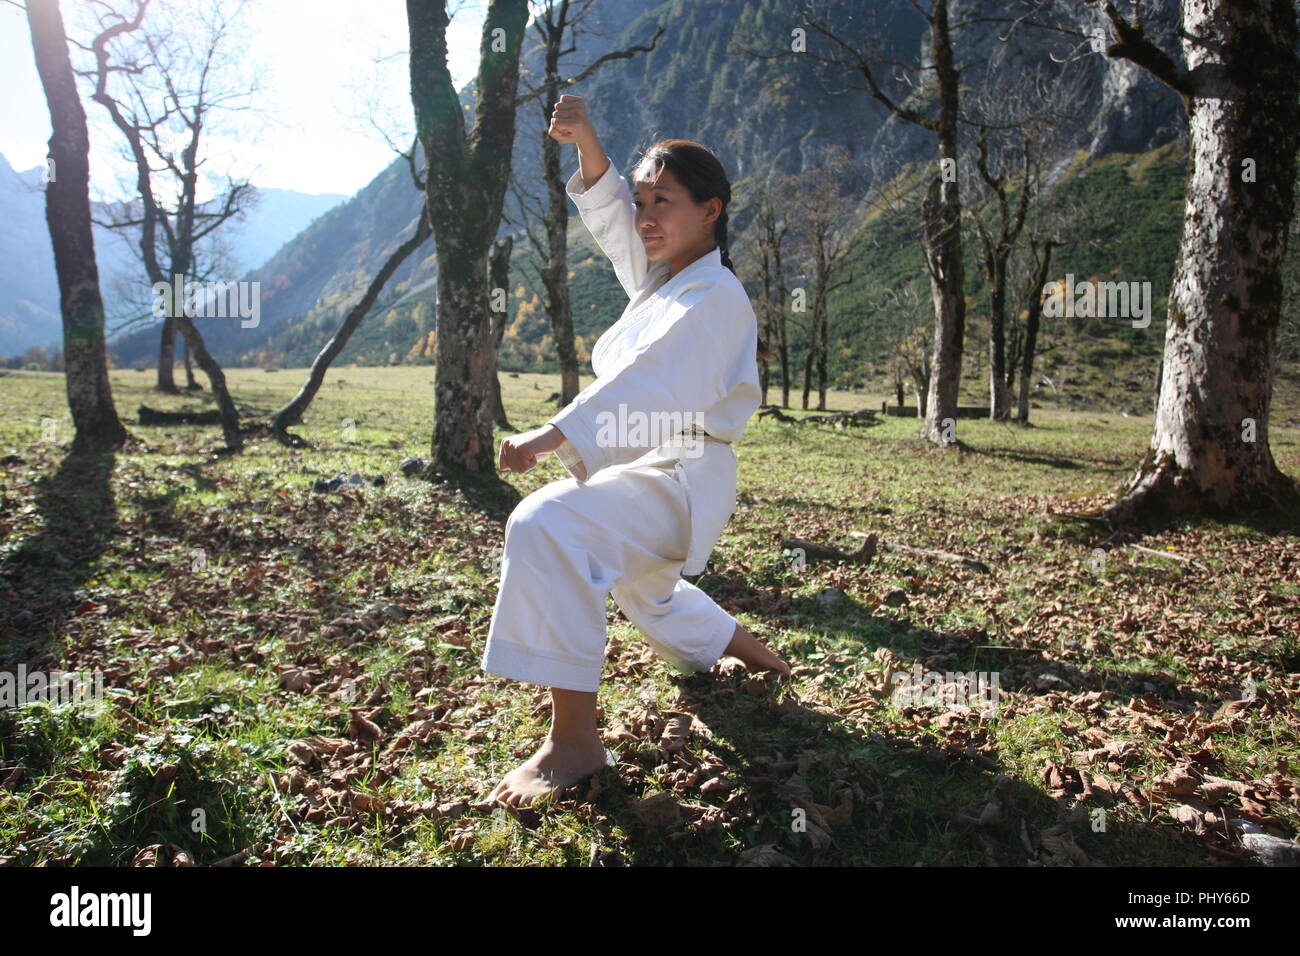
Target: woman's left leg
{"points": [[686, 627], [567, 544]]}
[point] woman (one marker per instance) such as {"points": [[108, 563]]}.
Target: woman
{"points": [[643, 506]]}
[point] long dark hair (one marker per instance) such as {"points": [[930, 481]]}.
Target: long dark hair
{"points": [[699, 170]]}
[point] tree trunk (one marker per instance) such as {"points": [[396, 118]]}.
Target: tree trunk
{"points": [[999, 394], [166, 356], [783, 337], [499, 278], [292, 413], [555, 277], [1210, 449], [809, 358], [181, 264], [190, 383], [465, 186], [97, 428], [941, 220], [822, 348], [1032, 319], [217, 378]]}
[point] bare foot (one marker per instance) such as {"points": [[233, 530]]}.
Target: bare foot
{"points": [[556, 765], [746, 648]]}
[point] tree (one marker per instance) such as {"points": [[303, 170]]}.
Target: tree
{"points": [[997, 251], [824, 243], [940, 211], [773, 210], [156, 70], [551, 250], [67, 211], [499, 278], [1055, 221], [910, 341], [465, 184], [1021, 122], [1241, 90]]}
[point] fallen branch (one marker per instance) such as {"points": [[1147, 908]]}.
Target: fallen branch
{"points": [[870, 545], [771, 411], [824, 552], [863, 416], [154, 416], [1169, 554], [961, 559]]}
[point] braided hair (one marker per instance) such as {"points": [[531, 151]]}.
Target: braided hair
{"points": [[699, 170]]}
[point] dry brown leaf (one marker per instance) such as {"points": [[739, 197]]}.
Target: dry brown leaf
{"points": [[659, 811]]}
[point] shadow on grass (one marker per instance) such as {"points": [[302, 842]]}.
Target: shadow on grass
{"points": [[924, 799], [913, 803], [1047, 460], [40, 577]]}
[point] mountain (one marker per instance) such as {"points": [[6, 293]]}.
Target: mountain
{"points": [[29, 291], [725, 74]]}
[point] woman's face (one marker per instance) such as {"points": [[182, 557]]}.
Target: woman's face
{"points": [[671, 225]]}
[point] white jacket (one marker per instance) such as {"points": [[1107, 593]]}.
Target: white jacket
{"points": [[684, 345]]}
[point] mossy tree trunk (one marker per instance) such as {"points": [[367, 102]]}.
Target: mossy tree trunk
{"points": [[97, 428], [1241, 86], [465, 185]]}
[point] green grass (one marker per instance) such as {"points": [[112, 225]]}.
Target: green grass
{"points": [[195, 582]]}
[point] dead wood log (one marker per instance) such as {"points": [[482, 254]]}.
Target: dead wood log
{"points": [[864, 553], [824, 552], [864, 416], [154, 416]]}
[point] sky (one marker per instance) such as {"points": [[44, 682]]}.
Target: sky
{"points": [[321, 64]]}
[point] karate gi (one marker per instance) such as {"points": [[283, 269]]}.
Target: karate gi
{"points": [[639, 510]]}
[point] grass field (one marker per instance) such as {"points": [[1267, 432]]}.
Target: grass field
{"points": [[255, 709]]}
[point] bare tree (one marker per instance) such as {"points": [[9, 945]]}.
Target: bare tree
{"points": [[910, 341], [1055, 221], [169, 80], [465, 186], [550, 250], [292, 412], [774, 208], [1241, 89], [67, 210], [824, 244], [1022, 119], [499, 278], [997, 250], [941, 209]]}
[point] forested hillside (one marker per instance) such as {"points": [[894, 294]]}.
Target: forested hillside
{"points": [[686, 87]]}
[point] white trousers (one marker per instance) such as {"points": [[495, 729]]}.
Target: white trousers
{"points": [[568, 544]]}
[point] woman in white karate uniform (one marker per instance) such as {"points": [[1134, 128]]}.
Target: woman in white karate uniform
{"points": [[644, 505]]}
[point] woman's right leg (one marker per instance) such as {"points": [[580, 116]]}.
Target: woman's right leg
{"points": [[567, 544], [687, 628], [572, 750]]}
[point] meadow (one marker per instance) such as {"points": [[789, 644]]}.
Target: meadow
{"points": [[292, 677]]}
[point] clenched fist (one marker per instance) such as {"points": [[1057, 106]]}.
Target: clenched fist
{"points": [[522, 452], [569, 120]]}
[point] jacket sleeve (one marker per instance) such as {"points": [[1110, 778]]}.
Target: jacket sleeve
{"points": [[608, 213], [662, 385]]}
